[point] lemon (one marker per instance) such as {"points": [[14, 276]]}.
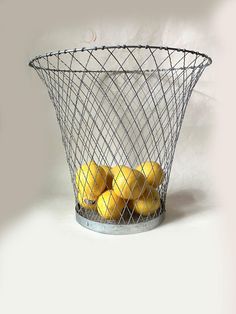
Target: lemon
{"points": [[88, 202], [153, 172], [129, 183], [91, 179], [148, 203], [109, 176], [109, 205], [115, 170]]}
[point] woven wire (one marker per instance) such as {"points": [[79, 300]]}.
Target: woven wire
{"points": [[120, 105]]}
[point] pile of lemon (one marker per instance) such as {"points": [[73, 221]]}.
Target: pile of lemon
{"points": [[109, 189]]}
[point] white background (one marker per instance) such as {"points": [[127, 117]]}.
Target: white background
{"points": [[48, 263]]}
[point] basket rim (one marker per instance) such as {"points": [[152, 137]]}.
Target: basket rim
{"points": [[83, 49]]}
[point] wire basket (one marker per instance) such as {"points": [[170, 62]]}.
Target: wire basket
{"points": [[120, 110]]}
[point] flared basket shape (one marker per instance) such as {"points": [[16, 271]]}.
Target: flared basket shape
{"points": [[121, 105]]}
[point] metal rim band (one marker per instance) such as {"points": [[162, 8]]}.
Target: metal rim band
{"points": [[116, 229], [84, 49]]}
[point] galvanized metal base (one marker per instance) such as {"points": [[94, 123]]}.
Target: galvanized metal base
{"points": [[110, 228]]}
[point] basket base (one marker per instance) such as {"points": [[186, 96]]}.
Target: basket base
{"points": [[108, 228]]}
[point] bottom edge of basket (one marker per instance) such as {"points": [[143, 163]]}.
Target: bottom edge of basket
{"points": [[120, 229]]}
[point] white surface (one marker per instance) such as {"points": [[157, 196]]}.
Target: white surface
{"points": [[52, 265]]}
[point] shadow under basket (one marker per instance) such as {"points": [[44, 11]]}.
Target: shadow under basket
{"points": [[120, 105]]}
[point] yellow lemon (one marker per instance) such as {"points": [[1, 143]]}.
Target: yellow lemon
{"points": [[129, 183], [88, 202], [109, 176], [115, 170], [153, 172], [109, 205], [91, 179], [147, 204]]}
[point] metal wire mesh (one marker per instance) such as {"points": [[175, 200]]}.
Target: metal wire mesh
{"points": [[120, 105]]}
